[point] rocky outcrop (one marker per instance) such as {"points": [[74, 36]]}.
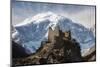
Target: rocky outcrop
{"points": [[59, 48], [90, 55]]}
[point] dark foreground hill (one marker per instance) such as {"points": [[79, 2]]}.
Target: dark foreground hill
{"points": [[59, 48]]}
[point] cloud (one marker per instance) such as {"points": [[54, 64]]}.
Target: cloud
{"points": [[78, 13], [85, 17]]}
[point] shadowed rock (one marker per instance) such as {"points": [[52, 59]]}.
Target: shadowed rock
{"points": [[59, 48], [18, 51]]}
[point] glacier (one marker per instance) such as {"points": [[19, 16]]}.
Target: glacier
{"points": [[33, 30]]}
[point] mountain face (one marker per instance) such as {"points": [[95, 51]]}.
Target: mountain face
{"points": [[31, 32]]}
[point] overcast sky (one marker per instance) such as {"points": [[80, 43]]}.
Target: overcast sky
{"points": [[81, 14]]}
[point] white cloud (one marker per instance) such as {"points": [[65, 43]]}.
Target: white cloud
{"points": [[85, 17]]}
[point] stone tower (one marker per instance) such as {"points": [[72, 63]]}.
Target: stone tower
{"points": [[53, 33], [58, 33]]}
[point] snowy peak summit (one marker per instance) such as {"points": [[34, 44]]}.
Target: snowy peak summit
{"points": [[41, 17], [50, 15]]}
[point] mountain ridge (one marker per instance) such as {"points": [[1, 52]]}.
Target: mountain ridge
{"points": [[35, 30]]}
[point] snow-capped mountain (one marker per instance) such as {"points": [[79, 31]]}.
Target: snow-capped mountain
{"points": [[33, 30]]}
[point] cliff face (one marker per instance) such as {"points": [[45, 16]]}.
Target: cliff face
{"points": [[59, 48]]}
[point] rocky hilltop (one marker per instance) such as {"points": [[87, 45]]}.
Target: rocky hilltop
{"points": [[59, 48]]}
